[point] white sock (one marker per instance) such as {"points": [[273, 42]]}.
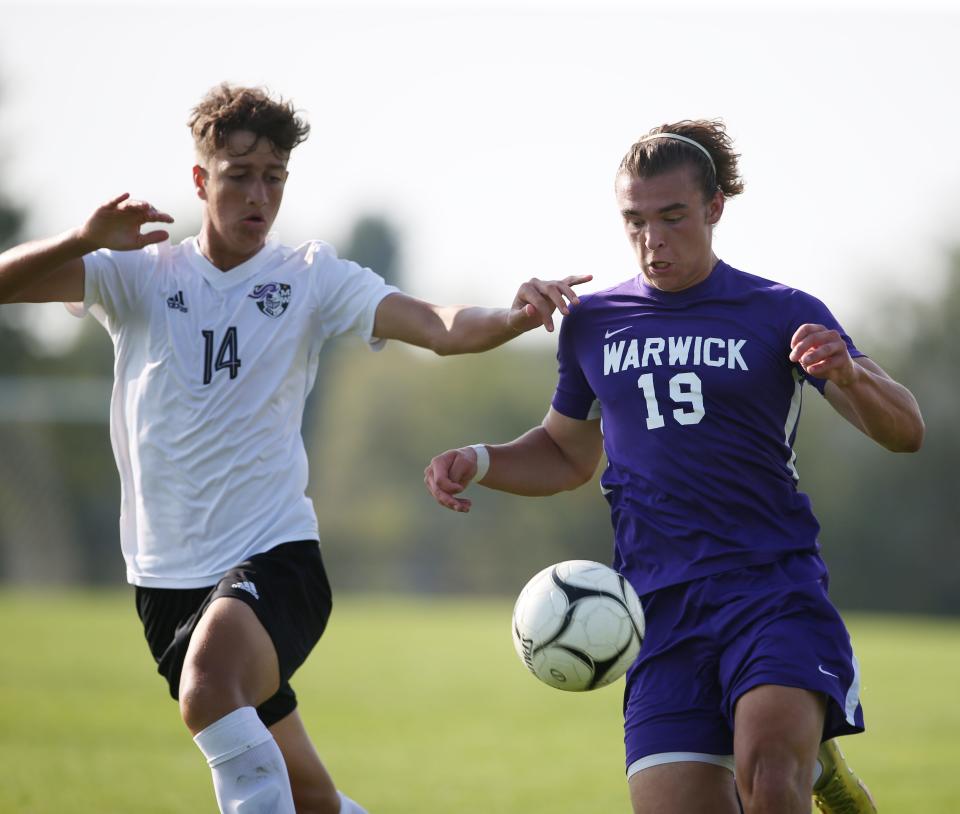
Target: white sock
{"points": [[817, 771], [249, 775], [348, 806]]}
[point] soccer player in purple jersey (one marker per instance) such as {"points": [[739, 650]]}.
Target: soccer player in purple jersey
{"points": [[689, 377]]}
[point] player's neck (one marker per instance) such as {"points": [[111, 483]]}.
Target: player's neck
{"points": [[220, 254], [676, 284]]}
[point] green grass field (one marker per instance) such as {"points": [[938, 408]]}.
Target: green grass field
{"points": [[417, 706]]}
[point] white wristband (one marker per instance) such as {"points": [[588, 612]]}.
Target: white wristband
{"points": [[483, 461]]}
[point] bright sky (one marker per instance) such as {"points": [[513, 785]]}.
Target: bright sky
{"points": [[490, 133]]}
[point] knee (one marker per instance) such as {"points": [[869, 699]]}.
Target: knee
{"points": [[773, 781], [203, 701]]}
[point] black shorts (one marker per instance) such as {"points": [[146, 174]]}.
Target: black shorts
{"points": [[286, 587]]}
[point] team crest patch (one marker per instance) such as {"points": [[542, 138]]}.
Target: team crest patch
{"points": [[272, 298]]}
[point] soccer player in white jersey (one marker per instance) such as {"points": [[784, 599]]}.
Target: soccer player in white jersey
{"points": [[216, 342], [689, 377]]}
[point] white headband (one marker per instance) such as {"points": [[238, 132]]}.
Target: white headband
{"points": [[678, 137]]}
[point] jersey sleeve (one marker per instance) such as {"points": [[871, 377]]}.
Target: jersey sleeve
{"points": [[347, 297], [808, 309], [573, 397], [114, 284]]}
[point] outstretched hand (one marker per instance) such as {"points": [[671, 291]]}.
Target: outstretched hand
{"points": [[448, 474], [116, 225], [538, 299], [822, 353]]}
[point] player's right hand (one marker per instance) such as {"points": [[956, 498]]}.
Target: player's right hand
{"points": [[536, 301], [116, 225], [448, 474]]}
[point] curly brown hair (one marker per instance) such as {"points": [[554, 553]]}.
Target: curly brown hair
{"points": [[227, 108], [648, 158]]}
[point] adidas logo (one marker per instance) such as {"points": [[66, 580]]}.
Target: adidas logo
{"points": [[247, 586], [176, 301]]}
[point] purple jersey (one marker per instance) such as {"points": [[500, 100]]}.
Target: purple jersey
{"points": [[699, 405]]}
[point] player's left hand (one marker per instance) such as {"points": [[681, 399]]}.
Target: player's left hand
{"points": [[538, 299], [821, 352]]}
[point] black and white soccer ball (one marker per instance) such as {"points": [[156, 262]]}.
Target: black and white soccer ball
{"points": [[578, 625]]}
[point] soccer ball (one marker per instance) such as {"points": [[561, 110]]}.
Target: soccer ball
{"points": [[578, 625]]}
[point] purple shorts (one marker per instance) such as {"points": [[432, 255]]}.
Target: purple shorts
{"points": [[711, 640]]}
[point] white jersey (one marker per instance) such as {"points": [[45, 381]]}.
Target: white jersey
{"points": [[212, 370]]}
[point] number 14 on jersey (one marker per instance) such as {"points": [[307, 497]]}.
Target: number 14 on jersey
{"points": [[227, 355]]}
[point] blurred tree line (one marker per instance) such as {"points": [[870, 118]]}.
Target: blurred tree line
{"points": [[374, 420]]}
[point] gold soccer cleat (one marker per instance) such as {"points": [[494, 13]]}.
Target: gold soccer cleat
{"points": [[839, 790]]}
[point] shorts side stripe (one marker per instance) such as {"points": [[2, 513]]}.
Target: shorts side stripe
{"points": [[649, 761], [853, 694]]}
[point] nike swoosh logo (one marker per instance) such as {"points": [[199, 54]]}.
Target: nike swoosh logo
{"points": [[827, 672], [608, 334]]}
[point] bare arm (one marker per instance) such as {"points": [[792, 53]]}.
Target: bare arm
{"points": [[471, 329], [559, 455], [51, 270], [860, 390]]}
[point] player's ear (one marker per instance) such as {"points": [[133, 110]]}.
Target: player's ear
{"points": [[715, 207], [200, 181]]}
